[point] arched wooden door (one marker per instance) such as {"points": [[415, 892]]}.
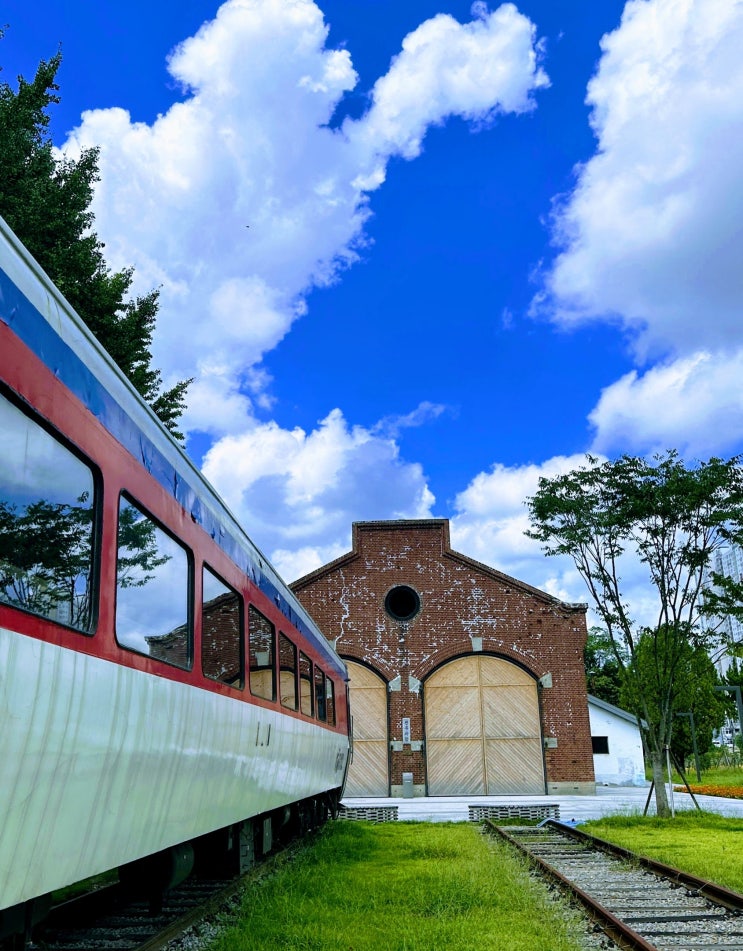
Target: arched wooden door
{"points": [[483, 732], [368, 774]]}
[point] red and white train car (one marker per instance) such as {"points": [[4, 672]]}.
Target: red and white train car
{"points": [[158, 681]]}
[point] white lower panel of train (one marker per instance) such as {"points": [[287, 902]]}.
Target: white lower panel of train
{"points": [[101, 764]]}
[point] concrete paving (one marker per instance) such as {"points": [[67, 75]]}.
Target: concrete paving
{"points": [[609, 800]]}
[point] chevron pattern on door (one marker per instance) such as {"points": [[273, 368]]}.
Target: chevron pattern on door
{"points": [[368, 774], [483, 733]]}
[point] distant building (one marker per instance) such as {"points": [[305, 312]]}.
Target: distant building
{"points": [[617, 746], [463, 680], [728, 562]]}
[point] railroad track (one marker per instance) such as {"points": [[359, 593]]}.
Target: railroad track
{"points": [[108, 920], [640, 904]]}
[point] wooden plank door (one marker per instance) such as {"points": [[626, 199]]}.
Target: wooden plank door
{"points": [[483, 732], [368, 774]]}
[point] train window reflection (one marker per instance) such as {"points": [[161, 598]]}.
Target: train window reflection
{"points": [[261, 636], [152, 575], [305, 684], [288, 672], [221, 631], [47, 506], [322, 712], [330, 700]]}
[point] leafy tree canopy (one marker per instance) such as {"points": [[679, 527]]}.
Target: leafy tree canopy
{"points": [[46, 201], [603, 671], [668, 666], [669, 518]]}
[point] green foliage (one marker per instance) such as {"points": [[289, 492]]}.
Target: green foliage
{"points": [[668, 517], [402, 887], [668, 669], [46, 201], [603, 670], [733, 676]]}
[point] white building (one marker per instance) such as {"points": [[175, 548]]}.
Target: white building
{"points": [[617, 747]]}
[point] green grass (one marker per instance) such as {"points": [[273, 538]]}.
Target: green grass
{"points": [[717, 775], [702, 843], [401, 887], [725, 774]]}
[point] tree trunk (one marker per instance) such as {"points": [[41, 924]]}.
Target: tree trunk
{"points": [[657, 761]]}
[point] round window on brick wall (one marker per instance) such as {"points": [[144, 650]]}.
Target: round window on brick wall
{"points": [[402, 603]]}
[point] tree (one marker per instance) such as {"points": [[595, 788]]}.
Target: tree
{"points": [[603, 672], [46, 559], [670, 519], [666, 665], [46, 201]]}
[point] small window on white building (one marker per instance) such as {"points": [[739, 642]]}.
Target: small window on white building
{"points": [[600, 744]]}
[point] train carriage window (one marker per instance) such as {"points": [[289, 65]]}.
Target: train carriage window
{"points": [[261, 639], [221, 631], [322, 710], [47, 523], [305, 684], [152, 590], [288, 672], [330, 700]]}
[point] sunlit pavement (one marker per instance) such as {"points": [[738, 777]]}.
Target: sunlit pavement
{"points": [[609, 800]]}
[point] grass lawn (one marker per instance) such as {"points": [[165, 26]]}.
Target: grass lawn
{"points": [[702, 843], [719, 775], [402, 886]]}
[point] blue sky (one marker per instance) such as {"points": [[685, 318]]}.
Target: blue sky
{"points": [[418, 254]]}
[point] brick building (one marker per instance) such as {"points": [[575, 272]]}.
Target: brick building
{"points": [[464, 681]]}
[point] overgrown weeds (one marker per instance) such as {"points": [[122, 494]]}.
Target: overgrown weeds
{"points": [[402, 887]]}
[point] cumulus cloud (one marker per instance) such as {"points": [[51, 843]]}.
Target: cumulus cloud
{"points": [[490, 526], [491, 520], [651, 234], [694, 404], [299, 492], [242, 197], [476, 70]]}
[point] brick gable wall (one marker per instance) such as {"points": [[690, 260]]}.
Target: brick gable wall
{"points": [[465, 608]]}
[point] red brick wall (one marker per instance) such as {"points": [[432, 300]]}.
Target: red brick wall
{"points": [[460, 599]]}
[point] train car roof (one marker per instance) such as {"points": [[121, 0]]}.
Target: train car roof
{"points": [[35, 310]]}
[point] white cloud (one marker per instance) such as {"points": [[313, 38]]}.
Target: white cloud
{"points": [[240, 198], [424, 413], [490, 524], [694, 404], [651, 235], [476, 71], [297, 493], [295, 563], [491, 520]]}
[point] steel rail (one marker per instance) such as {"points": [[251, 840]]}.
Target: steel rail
{"points": [[220, 898], [715, 893], [619, 932], [105, 910]]}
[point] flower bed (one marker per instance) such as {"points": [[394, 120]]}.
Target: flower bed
{"points": [[729, 792]]}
